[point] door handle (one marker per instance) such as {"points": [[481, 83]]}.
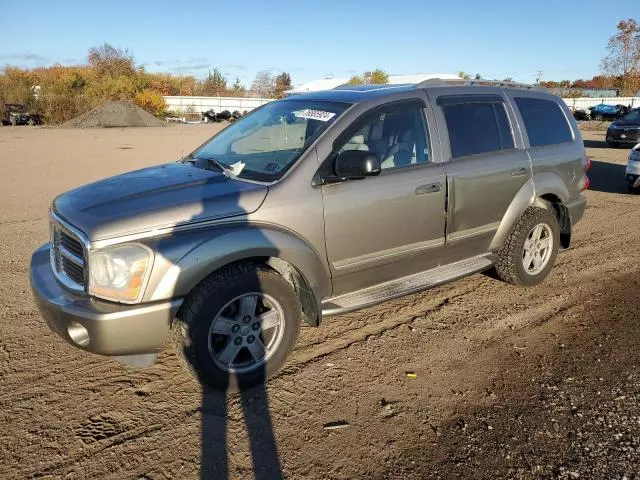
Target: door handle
{"points": [[429, 188], [519, 172]]}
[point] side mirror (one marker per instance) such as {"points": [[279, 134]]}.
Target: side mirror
{"points": [[357, 164]]}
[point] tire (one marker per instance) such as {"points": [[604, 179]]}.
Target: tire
{"points": [[511, 257], [216, 298]]}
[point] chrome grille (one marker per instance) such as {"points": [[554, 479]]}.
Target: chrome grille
{"points": [[67, 257]]}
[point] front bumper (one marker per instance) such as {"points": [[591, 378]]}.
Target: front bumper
{"points": [[576, 208], [632, 173], [623, 136], [97, 326]]}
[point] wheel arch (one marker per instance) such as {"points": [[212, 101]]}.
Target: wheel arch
{"points": [[289, 255], [544, 190]]}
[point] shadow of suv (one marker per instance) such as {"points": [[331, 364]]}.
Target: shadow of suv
{"points": [[313, 205]]}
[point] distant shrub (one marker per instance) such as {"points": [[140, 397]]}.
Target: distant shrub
{"points": [[152, 102]]}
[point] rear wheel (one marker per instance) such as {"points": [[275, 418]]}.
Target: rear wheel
{"points": [[237, 327], [530, 249]]}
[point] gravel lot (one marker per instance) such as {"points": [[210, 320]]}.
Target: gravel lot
{"points": [[509, 382]]}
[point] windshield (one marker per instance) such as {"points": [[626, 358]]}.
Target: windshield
{"points": [[265, 143], [633, 115]]}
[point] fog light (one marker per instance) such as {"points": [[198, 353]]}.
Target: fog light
{"points": [[78, 334]]}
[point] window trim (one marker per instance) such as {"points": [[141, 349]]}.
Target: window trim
{"points": [[368, 116], [483, 99], [525, 130]]}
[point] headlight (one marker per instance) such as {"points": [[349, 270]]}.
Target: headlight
{"points": [[634, 156], [119, 273]]}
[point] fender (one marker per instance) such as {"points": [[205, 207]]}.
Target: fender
{"points": [[230, 243], [545, 183]]}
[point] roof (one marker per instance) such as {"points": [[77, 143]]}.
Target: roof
{"points": [[352, 93], [329, 83]]}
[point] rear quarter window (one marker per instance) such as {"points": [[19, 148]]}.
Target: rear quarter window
{"points": [[544, 121]]}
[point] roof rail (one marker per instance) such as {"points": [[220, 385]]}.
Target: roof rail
{"points": [[439, 82]]}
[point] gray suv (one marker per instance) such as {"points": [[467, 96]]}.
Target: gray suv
{"points": [[310, 206]]}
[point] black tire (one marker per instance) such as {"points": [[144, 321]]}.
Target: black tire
{"points": [[509, 266], [190, 331]]}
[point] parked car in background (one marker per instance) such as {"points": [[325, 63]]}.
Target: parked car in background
{"points": [[633, 169], [581, 114], [607, 112], [16, 114], [310, 206], [626, 130]]}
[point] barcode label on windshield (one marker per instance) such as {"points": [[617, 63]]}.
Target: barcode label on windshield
{"points": [[320, 115]]}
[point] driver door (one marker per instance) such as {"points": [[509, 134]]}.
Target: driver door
{"points": [[391, 225]]}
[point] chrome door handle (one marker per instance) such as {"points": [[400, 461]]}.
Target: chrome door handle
{"points": [[519, 172], [429, 188]]}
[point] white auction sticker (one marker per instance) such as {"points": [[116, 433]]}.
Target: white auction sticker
{"points": [[315, 114]]}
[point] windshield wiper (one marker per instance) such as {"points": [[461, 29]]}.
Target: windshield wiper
{"points": [[223, 167]]}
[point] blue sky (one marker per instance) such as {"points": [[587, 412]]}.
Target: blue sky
{"points": [[311, 40]]}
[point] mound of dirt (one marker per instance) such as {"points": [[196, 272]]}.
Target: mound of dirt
{"points": [[115, 114]]}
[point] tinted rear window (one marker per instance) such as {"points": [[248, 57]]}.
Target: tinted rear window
{"points": [[477, 128], [545, 122]]}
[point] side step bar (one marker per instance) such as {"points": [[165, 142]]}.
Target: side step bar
{"points": [[403, 286]]}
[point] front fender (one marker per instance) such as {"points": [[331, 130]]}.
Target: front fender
{"points": [[217, 247]]}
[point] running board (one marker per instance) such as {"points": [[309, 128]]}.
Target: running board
{"points": [[406, 285]]}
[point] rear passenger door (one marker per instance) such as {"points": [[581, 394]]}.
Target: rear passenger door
{"points": [[487, 166]]}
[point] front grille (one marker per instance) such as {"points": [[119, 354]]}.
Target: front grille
{"points": [[68, 257]]}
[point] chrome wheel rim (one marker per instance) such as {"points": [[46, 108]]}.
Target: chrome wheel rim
{"points": [[246, 332], [537, 249]]}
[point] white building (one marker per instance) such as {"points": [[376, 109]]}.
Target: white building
{"points": [[329, 83]]}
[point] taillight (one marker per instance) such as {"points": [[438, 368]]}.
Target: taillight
{"points": [[587, 183], [587, 163]]}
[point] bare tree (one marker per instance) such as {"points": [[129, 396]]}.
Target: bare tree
{"points": [[264, 84], [623, 60], [111, 61]]}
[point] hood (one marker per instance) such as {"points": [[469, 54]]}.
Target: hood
{"points": [[156, 197], [626, 123]]}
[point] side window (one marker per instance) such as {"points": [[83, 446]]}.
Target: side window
{"points": [[477, 128], [544, 120], [397, 135]]}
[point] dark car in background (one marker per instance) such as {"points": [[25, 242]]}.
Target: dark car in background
{"points": [[607, 112], [625, 130]]}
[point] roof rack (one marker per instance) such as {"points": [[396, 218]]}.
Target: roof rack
{"points": [[439, 82]]}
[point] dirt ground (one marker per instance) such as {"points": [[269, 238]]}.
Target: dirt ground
{"points": [[509, 382]]}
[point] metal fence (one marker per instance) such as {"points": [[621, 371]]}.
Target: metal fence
{"points": [[586, 102], [217, 104]]}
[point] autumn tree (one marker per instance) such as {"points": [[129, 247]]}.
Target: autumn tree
{"points": [[110, 61], [264, 84], [623, 60], [377, 77], [464, 76], [282, 84]]}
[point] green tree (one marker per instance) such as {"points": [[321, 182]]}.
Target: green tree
{"points": [[507, 79], [282, 84], [214, 84], [356, 80], [478, 77], [623, 59], [237, 89], [464, 76]]}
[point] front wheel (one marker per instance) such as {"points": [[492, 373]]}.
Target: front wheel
{"points": [[530, 249], [237, 327]]}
